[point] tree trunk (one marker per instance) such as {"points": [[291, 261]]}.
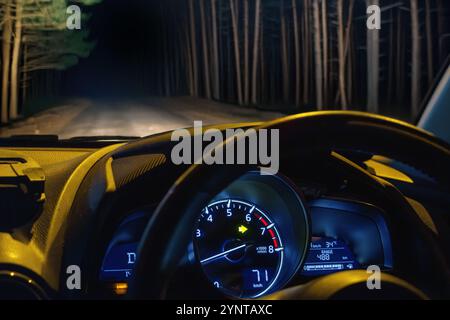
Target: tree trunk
{"points": [[206, 81], [441, 30], [263, 91], [193, 46], [349, 52], [6, 59], [415, 59], [341, 55], [306, 50], [230, 56], [234, 21], [190, 73], [216, 82], [284, 55], [325, 50], [331, 66], [349, 65], [430, 71], [222, 48], [297, 53], [165, 52], [246, 54], [373, 65], [25, 73], [272, 73], [318, 55], [391, 60], [13, 106], [255, 52], [399, 70]]}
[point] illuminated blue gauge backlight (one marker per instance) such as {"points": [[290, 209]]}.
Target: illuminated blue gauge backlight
{"points": [[327, 255], [118, 263], [239, 248]]}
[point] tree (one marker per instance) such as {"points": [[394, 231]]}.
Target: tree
{"points": [[15, 60], [430, 64], [188, 59], [373, 65], [415, 59], [306, 49], [234, 23], [6, 57], [206, 81], [341, 54], [256, 52], [256, 47], [325, 50], [349, 50], [41, 26], [284, 54], [318, 55], [400, 58], [215, 52], [193, 45], [440, 27], [296, 53], [246, 53]]}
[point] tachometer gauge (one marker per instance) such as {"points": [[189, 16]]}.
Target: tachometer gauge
{"points": [[239, 248]]}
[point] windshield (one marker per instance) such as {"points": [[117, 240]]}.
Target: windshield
{"points": [[139, 67]]}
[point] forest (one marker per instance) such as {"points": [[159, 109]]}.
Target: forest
{"points": [[286, 55], [36, 42], [311, 54]]}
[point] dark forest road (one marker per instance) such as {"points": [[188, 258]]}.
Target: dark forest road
{"points": [[142, 117]]}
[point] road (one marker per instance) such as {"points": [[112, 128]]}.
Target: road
{"points": [[142, 117]]}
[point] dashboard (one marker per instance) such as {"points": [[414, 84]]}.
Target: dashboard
{"points": [[252, 239]]}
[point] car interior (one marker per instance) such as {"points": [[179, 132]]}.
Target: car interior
{"points": [[353, 190], [359, 208]]}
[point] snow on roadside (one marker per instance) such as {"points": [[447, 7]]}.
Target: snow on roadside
{"points": [[51, 121], [140, 117]]}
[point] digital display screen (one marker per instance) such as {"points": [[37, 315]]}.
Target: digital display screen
{"points": [[118, 262], [327, 255]]}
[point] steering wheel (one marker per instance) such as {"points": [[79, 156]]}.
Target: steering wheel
{"points": [[419, 256]]}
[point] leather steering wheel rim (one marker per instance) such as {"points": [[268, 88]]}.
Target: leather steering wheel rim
{"points": [[168, 232]]}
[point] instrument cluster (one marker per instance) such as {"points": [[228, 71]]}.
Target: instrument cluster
{"points": [[260, 235]]}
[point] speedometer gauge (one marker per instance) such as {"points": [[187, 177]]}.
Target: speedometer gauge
{"points": [[239, 248]]}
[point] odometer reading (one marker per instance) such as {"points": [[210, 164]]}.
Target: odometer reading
{"points": [[239, 248]]}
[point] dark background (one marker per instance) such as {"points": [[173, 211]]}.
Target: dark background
{"points": [[127, 36]]}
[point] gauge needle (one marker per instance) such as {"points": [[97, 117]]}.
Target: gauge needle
{"points": [[219, 255]]}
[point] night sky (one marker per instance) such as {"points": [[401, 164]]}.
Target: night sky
{"points": [[127, 39]]}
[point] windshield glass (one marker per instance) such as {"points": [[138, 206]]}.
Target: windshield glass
{"points": [[139, 67]]}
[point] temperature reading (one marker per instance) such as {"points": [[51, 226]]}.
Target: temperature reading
{"points": [[330, 244]]}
